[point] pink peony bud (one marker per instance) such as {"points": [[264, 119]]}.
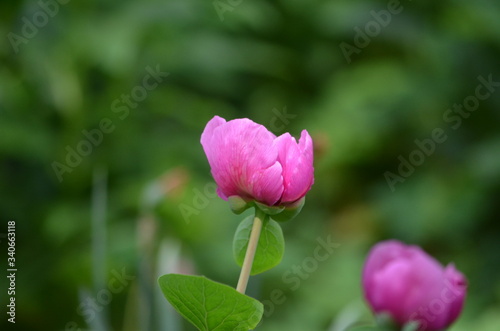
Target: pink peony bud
{"points": [[410, 285], [250, 162]]}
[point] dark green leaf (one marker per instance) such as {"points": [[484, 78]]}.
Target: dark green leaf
{"points": [[211, 306], [270, 248]]}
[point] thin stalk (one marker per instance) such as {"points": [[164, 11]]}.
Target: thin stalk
{"points": [[250, 253]]}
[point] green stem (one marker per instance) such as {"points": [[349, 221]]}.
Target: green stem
{"points": [[260, 217]]}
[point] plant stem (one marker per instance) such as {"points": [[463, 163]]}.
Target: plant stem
{"points": [[251, 248]]}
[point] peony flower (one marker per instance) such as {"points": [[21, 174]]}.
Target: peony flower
{"points": [[410, 285], [250, 162]]}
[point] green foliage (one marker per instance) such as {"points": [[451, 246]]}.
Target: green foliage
{"points": [[209, 305], [270, 248]]}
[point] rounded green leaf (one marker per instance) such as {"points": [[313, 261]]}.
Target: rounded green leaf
{"points": [[270, 248], [211, 306]]}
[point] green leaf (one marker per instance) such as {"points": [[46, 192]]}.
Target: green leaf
{"points": [[270, 248], [211, 306]]}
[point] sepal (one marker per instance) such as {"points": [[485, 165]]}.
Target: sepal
{"points": [[238, 205], [269, 210], [290, 211]]}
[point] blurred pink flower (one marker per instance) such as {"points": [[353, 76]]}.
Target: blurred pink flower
{"points": [[249, 161], [410, 285]]}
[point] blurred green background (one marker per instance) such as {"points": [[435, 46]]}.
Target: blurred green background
{"points": [[94, 231]]}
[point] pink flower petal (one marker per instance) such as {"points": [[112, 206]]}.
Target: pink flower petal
{"points": [[297, 162], [243, 159], [206, 136], [412, 286], [455, 290], [380, 255], [264, 184], [388, 296]]}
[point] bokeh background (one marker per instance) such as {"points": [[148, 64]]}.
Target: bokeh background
{"points": [[140, 202]]}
